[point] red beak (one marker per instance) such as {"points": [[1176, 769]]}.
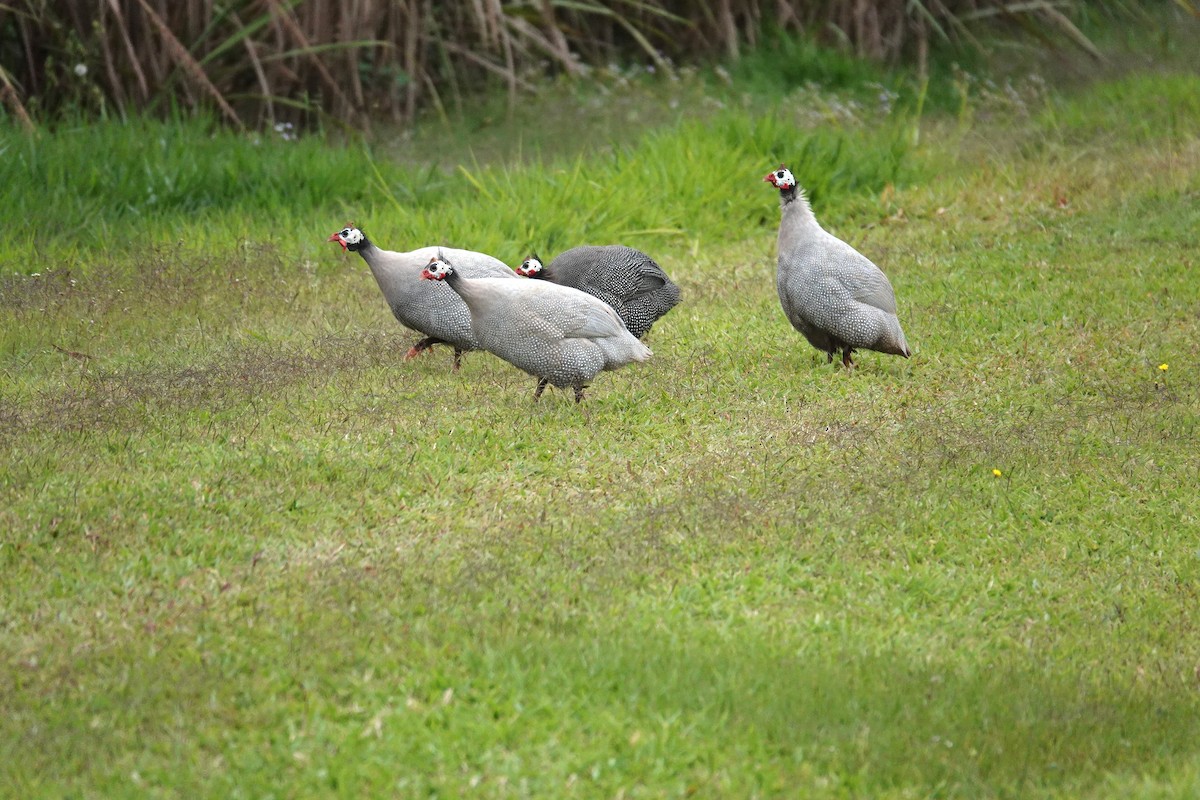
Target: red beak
{"points": [[770, 177], [337, 237]]}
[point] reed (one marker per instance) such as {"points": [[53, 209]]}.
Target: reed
{"points": [[262, 62]]}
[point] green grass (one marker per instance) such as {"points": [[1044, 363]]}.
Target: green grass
{"points": [[249, 552], [254, 190]]}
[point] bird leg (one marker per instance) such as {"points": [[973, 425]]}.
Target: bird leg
{"points": [[578, 394], [421, 347], [458, 353], [847, 361], [541, 388], [829, 357]]}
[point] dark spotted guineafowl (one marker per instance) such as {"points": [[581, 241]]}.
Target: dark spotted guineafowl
{"points": [[830, 292], [424, 307], [627, 279], [557, 334]]}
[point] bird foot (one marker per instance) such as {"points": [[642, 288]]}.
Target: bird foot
{"points": [[421, 347]]}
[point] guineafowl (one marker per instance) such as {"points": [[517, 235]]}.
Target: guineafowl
{"points": [[557, 334], [424, 307], [627, 279], [830, 292]]}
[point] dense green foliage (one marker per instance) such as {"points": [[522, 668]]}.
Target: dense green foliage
{"points": [[247, 551]]}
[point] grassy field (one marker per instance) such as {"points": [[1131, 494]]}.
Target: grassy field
{"points": [[249, 552]]}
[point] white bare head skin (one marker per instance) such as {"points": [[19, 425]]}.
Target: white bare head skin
{"points": [[530, 267], [349, 238], [438, 269], [789, 191], [782, 179]]}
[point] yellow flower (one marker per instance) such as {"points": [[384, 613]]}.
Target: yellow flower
{"points": [[997, 473], [1163, 367]]}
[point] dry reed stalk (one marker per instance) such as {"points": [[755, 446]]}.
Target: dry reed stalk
{"points": [[555, 41], [12, 99], [727, 28], [259, 72], [507, 74], [284, 16], [116, 86], [412, 45], [1074, 34], [189, 65]]}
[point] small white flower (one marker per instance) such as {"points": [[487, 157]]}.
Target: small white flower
{"points": [[81, 70]]}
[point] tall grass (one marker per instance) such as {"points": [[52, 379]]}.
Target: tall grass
{"points": [[158, 178], [262, 62]]}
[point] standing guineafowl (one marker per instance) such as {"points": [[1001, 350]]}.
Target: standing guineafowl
{"points": [[424, 307], [557, 334], [627, 279], [830, 292]]}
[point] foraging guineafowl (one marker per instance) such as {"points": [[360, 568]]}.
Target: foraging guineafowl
{"points": [[427, 308], [557, 334], [627, 279], [830, 292]]}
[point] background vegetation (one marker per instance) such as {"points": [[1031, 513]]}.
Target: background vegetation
{"points": [[264, 62], [247, 551]]}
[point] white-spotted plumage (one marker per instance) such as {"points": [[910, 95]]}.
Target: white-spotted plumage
{"points": [[559, 335], [830, 292], [626, 279], [428, 308]]}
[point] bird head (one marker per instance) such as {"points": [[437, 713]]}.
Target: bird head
{"points": [[530, 267], [349, 237], [781, 179], [438, 269]]}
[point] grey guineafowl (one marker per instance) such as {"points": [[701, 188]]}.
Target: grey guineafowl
{"points": [[830, 292], [558, 334], [424, 307], [627, 279]]}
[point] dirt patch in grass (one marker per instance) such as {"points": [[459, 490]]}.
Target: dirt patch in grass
{"points": [[132, 397]]}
